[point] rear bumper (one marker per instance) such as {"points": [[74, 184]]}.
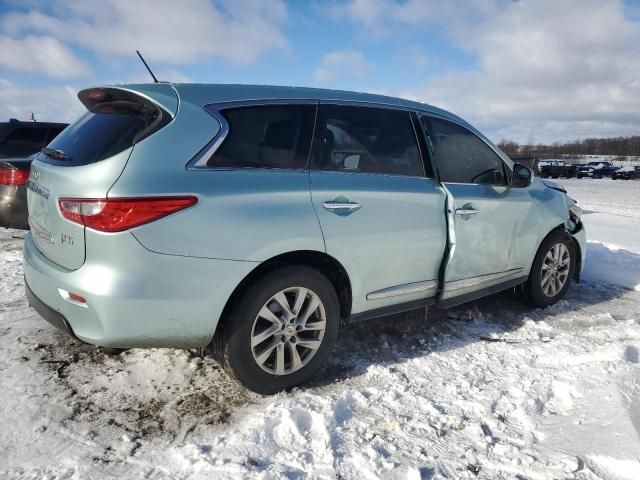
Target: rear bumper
{"points": [[48, 313], [134, 297]]}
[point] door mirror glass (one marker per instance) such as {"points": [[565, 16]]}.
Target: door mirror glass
{"points": [[521, 176]]}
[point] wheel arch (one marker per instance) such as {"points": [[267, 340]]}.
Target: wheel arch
{"points": [[324, 263], [562, 227]]}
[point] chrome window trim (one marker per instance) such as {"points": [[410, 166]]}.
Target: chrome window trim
{"points": [[200, 159], [199, 162], [347, 172], [476, 184], [405, 289], [479, 280], [365, 104]]}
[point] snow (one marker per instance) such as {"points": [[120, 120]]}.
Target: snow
{"points": [[492, 389]]}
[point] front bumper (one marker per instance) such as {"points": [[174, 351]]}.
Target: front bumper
{"points": [[580, 236], [134, 297]]}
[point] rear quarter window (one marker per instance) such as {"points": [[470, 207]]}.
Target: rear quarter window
{"points": [[271, 136]]}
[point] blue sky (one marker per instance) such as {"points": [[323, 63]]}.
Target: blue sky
{"points": [[547, 70]]}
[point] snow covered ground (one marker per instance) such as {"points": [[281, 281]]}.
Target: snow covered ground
{"points": [[493, 389]]}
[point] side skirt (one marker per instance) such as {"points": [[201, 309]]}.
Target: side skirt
{"points": [[392, 309], [427, 302], [452, 302]]}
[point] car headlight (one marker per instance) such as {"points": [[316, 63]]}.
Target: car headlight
{"points": [[575, 212]]}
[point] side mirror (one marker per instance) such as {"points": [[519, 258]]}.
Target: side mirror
{"points": [[521, 176]]}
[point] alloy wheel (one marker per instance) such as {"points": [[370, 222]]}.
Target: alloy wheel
{"points": [[555, 269], [288, 330]]}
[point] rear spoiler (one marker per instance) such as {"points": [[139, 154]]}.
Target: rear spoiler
{"points": [[162, 95]]}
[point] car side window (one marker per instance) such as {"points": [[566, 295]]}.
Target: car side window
{"points": [[462, 157], [271, 136], [366, 140]]}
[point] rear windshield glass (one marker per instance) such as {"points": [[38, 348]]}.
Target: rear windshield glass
{"points": [[116, 120], [22, 141]]}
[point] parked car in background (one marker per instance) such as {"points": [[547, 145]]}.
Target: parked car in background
{"points": [[556, 168], [596, 169], [14, 173], [19, 141], [257, 219], [627, 173]]}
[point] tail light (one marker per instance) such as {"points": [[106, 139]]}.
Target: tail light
{"points": [[119, 214], [13, 177]]}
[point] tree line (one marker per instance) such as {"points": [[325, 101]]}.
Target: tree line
{"points": [[616, 146]]}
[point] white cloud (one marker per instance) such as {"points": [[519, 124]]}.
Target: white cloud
{"points": [[554, 70], [164, 30], [339, 65], [42, 54], [383, 17], [54, 104]]}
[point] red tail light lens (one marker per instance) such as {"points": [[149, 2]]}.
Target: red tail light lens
{"points": [[120, 214], [13, 177]]}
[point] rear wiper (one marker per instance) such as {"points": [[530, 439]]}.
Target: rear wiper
{"points": [[57, 154]]}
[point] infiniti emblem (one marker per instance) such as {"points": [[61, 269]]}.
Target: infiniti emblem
{"points": [[35, 173]]}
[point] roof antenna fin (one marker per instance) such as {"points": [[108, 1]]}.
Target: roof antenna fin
{"points": [[155, 80]]}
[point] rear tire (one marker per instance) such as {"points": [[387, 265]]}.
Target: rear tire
{"points": [[552, 270], [268, 347]]}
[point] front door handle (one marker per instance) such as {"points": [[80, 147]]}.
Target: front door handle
{"points": [[341, 206], [466, 211]]}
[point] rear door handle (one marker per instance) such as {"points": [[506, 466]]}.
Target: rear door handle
{"points": [[341, 206]]}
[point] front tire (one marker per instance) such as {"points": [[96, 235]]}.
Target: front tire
{"points": [[552, 269], [280, 333]]}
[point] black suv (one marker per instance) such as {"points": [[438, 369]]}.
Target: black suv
{"points": [[21, 139], [596, 169], [556, 168], [18, 142]]}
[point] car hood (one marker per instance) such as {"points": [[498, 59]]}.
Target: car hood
{"points": [[554, 186]]}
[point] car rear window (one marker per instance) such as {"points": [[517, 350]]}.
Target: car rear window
{"points": [[23, 141], [115, 121]]}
